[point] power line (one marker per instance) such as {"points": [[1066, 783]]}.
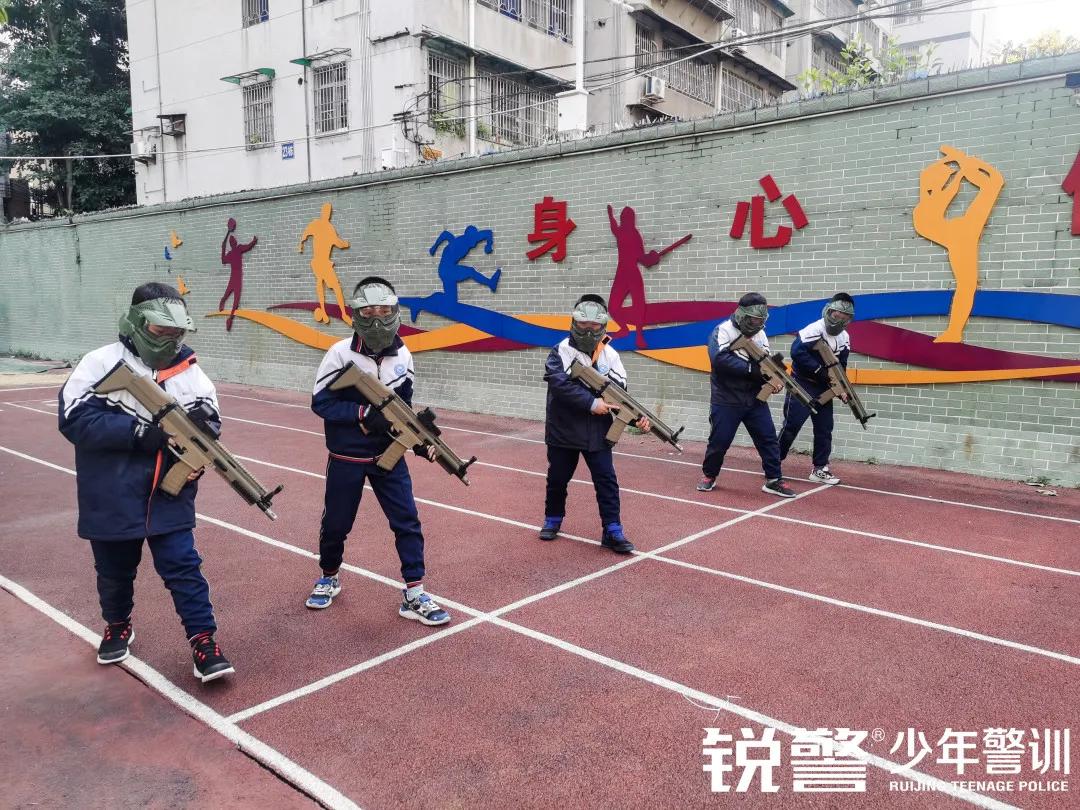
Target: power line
{"points": [[788, 34]]}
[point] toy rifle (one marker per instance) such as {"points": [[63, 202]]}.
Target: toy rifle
{"points": [[193, 448], [630, 410], [839, 384], [409, 429], [772, 367]]}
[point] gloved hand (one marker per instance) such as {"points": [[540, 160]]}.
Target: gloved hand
{"points": [[149, 437], [375, 423]]}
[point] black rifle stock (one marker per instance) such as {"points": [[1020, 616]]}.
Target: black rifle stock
{"points": [[410, 429], [772, 366], [193, 448], [839, 383], [630, 410]]}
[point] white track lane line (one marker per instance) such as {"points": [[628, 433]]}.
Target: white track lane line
{"points": [[253, 747], [843, 529], [619, 666]]}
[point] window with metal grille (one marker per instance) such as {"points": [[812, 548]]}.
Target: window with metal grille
{"points": [[737, 93], [446, 91], [255, 11], [330, 88], [826, 59], [755, 17], [646, 51], [514, 112], [691, 77], [554, 17], [259, 114], [911, 12]]}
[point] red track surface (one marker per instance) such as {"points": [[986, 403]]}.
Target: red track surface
{"points": [[844, 608]]}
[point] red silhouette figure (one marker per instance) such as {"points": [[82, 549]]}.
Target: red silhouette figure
{"points": [[1072, 187], [234, 258], [628, 279], [756, 211], [552, 227]]}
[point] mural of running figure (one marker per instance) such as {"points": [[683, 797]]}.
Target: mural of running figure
{"points": [[939, 184], [628, 280], [452, 272], [233, 258], [324, 238]]}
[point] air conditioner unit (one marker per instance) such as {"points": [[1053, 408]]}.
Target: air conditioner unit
{"points": [[144, 152], [735, 33], [655, 88]]}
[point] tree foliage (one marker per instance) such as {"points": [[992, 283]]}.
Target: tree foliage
{"points": [[1049, 43], [64, 91], [858, 68]]}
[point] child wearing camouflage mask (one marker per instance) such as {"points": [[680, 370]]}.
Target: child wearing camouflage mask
{"points": [[812, 375], [121, 455], [577, 422], [735, 382], [356, 435]]}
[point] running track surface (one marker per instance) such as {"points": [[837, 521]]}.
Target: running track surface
{"points": [[570, 676]]}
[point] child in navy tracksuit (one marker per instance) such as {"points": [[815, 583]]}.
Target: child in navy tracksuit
{"points": [[735, 382], [121, 456], [809, 370], [577, 422], [356, 435]]}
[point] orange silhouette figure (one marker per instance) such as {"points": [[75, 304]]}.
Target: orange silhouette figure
{"points": [[181, 287], [324, 238], [939, 184]]}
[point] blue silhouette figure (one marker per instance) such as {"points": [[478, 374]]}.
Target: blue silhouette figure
{"points": [[452, 272]]}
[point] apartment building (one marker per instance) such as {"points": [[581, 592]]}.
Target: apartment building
{"points": [[242, 94], [658, 59], [956, 37], [822, 48]]}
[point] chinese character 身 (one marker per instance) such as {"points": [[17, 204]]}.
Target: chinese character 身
{"points": [[551, 226]]}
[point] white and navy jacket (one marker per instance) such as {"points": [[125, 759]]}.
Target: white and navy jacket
{"points": [[345, 410], [118, 499], [806, 363], [570, 420], [735, 379]]}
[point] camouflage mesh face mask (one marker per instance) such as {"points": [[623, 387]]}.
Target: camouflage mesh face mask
{"points": [[157, 351], [586, 340], [837, 315], [377, 332], [751, 319]]}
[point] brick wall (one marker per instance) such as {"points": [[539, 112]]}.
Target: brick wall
{"points": [[853, 160]]}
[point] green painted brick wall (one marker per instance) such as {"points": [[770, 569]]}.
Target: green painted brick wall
{"points": [[853, 160]]}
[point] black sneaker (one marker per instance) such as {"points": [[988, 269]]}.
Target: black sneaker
{"points": [[616, 540], [209, 662], [115, 642], [778, 488], [550, 529]]}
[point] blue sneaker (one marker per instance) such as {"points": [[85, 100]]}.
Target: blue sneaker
{"points": [[326, 588], [551, 528], [423, 609], [616, 540]]}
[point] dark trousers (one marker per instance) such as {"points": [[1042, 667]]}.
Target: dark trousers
{"points": [[724, 421], [795, 414], [562, 461], [177, 563], [393, 490]]}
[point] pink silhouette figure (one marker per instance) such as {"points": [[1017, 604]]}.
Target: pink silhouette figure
{"points": [[234, 258], [628, 280]]}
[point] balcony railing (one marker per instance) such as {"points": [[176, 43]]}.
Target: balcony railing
{"points": [[553, 17]]}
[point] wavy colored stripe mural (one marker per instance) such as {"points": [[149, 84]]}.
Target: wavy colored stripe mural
{"points": [[484, 330]]}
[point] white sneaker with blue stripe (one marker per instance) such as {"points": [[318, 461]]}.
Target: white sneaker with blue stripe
{"points": [[326, 588], [423, 609]]}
